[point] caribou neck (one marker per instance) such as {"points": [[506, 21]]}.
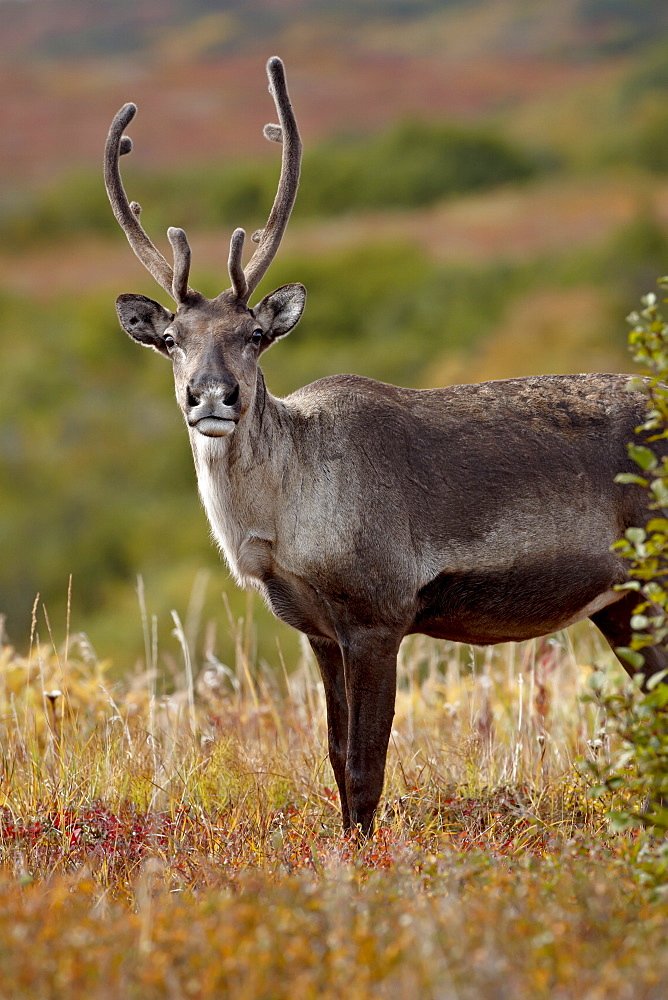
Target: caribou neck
{"points": [[241, 479]]}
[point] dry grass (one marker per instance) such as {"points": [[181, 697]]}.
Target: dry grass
{"points": [[189, 844]]}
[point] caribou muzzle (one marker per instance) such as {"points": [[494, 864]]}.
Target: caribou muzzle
{"points": [[215, 411]]}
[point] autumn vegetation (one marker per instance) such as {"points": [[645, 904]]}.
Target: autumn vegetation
{"points": [[183, 838], [169, 822]]}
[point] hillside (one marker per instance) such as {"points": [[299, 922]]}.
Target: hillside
{"points": [[193, 69]]}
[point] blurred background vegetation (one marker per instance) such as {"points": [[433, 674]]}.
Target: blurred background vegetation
{"points": [[485, 194]]}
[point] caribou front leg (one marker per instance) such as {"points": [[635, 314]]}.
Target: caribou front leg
{"points": [[330, 661], [370, 666]]}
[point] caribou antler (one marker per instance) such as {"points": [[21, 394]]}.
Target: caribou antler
{"points": [[174, 282], [244, 281], [234, 265], [181, 249]]}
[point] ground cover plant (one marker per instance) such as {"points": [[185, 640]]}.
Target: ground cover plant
{"points": [[186, 841]]}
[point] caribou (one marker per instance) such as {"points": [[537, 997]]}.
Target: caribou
{"points": [[364, 512]]}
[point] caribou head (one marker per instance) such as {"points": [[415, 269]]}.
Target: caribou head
{"points": [[214, 344]]}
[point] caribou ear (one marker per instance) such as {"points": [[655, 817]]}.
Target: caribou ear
{"points": [[279, 311], [144, 320]]}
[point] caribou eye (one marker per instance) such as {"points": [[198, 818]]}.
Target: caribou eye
{"points": [[169, 341], [256, 336]]}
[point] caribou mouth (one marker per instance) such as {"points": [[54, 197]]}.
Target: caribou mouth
{"points": [[215, 426]]}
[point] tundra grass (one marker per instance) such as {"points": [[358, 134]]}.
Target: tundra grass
{"points": [[187, 842]]}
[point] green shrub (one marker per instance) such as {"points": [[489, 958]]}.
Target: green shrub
{"points": [[638, 713], [647, 549]]}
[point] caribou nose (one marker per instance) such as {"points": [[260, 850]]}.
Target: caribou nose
{"points": [[201, 392], [232, 395]]}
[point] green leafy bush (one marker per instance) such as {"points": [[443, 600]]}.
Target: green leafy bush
{"points": [[637, 714], [646, 549]]}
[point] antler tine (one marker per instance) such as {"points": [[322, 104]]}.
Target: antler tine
{"points": [[235, 267], [287, 133], [126, 214], [181, 248]]}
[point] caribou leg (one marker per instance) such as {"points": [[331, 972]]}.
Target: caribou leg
{"points": [[614, 622], [370, 665], [330, 661]]}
